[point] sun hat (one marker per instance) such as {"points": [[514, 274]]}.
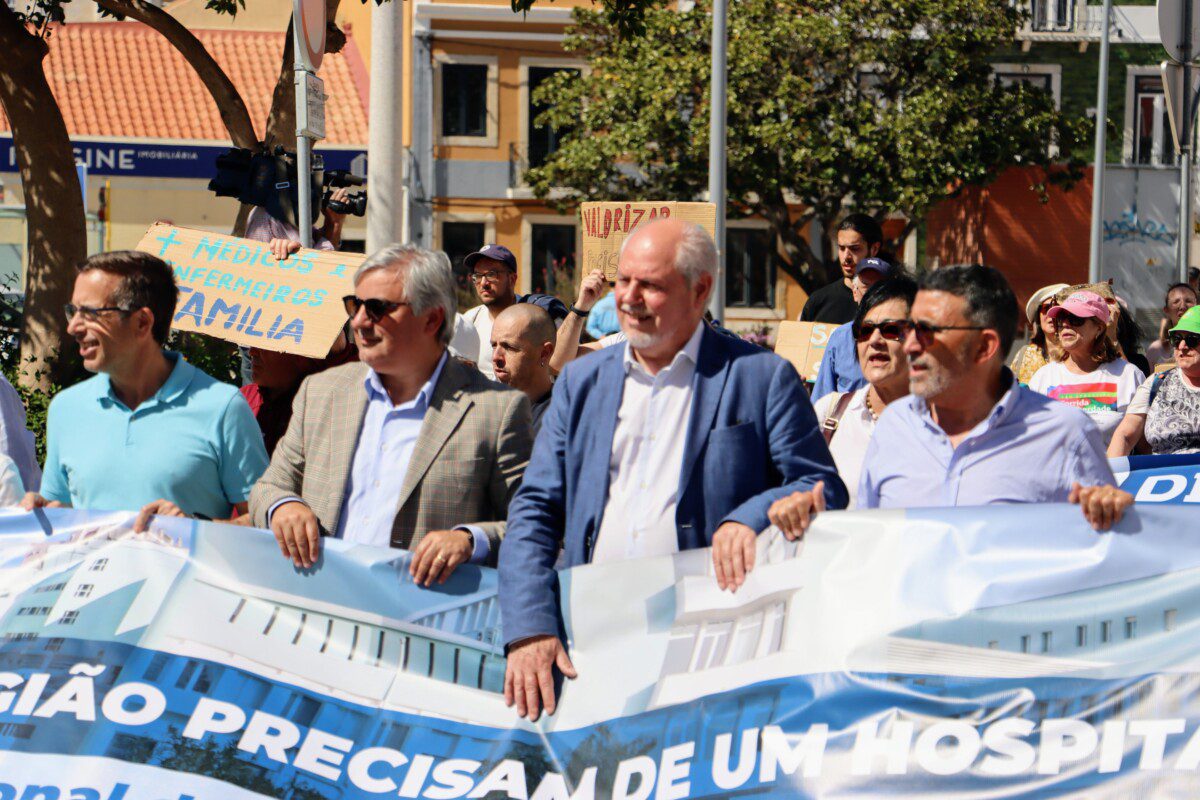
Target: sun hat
{"points": [[1040, 296], [1189, 322]]}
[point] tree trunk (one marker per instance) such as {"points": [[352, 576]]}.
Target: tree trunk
{"points": [[232, 108], [56, 228], [804, 263]]}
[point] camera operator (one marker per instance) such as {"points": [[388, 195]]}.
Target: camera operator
{"points": [[285, 239]]}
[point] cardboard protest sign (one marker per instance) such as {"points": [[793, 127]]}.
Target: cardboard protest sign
{"points": [[606, 225], [803, 344], [234, 289]]}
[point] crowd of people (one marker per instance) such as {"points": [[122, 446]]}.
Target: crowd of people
{"points": [[496, 437]]}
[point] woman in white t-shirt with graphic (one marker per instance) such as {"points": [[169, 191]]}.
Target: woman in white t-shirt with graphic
{"points": [[1090, 374], [848, 419]]}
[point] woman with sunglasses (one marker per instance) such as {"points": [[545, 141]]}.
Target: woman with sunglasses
{"points": [[1090, 373], [848, 418], [1043, 344], [1165, 412]]}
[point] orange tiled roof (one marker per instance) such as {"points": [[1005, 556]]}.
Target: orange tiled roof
{"points": [[122, 79]]}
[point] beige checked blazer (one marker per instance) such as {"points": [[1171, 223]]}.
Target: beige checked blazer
{"points": [[467, 463]]}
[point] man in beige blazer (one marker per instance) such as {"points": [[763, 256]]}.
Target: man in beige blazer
{"points": [[410, 448]]}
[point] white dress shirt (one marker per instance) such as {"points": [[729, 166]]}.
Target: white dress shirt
{"points": [[481, 319], [849, 444], [647, 455]]}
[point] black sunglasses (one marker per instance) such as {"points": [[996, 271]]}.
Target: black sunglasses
{"points": [[376, 309], [1192, 340], [1072, 320], [893, 330], [925, 331]]}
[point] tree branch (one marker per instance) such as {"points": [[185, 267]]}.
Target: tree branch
{"points": [[234, 114]]}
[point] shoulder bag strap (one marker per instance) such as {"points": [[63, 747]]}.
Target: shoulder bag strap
{"points": [[830, 425]]}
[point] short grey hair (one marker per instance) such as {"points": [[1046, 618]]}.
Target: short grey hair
{"points": [[428, 281], [695, 255]]}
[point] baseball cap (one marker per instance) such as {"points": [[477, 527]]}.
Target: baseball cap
{"points": [[877, 264], [496, 252], [1082, 304], [1189, 322], [1040, 296]]}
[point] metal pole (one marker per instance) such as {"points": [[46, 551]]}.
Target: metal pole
{"points": [[716, 151], [303, 146], [385, 138], [1094, 259], [1185, 150]]}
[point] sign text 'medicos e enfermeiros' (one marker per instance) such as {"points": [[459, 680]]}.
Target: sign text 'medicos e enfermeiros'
{"points": [[234, 289]]}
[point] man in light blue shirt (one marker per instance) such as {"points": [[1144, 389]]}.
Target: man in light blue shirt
{"points": [[969, 434], [149, 431]]}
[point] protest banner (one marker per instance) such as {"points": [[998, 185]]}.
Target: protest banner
{"points": [[922, 653], [234, 289], [1160, 479], [803, 344], [607, 225]]}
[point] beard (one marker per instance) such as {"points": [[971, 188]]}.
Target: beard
{"points": [[639, 340], [938, 376]]}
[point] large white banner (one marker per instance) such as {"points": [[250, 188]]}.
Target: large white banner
{"points": [[1005, 651]]}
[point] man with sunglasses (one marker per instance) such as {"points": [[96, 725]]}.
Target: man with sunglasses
{"points": [[969, 434], [149, 431], [1165, 410], [409, 448]]}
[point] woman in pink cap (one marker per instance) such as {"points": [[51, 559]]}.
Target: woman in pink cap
{"points": [[1090, 373]]}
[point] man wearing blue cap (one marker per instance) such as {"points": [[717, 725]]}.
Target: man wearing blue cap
{"points": [[840, 371], [493, 271]]}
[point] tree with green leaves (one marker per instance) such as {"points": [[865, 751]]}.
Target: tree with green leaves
{"points": [[54, 211], [869, 105]]}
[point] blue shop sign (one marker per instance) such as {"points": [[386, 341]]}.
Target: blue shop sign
{"points": [[148, 160]]}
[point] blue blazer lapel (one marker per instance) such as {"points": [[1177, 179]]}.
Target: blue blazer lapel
{"points": [[708, 384], [608, 391]]}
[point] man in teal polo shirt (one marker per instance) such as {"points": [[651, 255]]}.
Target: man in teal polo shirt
{"points": [[149, 431]]}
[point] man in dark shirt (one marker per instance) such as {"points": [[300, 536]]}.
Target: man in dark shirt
{"points": [[858, 237], [522, 342]]}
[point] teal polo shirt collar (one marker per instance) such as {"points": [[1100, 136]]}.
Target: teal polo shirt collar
{"points": [[175, 385]]}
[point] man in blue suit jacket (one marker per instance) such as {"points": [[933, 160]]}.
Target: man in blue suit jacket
{"points": [[679, 440]]}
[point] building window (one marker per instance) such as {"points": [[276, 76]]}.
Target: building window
{"points": [[1081, 635], [460, 239], [99, 564], [543, 140], [1152, 142], [750, 267], [552, 257], [53, 645], [1106, 631], [83, 590], [204, 680], [1053, 15], [464, 100], [1025, 643], [185, 676], [711, 645], [155, 668], [1039, 80], [1169, 619], [1130, 627], [993, 645], [1047, 641], [68, 618]]}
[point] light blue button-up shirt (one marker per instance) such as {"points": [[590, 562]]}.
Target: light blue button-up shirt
{"points": [[1029, 449], [385, 447], [381, 458], [840, 370]]}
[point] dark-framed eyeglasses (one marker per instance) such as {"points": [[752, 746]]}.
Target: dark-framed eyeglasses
{"points": [[92, 313], [925, 331], [489, 276], [376, 309], [1192, 340], [893, 330]]}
